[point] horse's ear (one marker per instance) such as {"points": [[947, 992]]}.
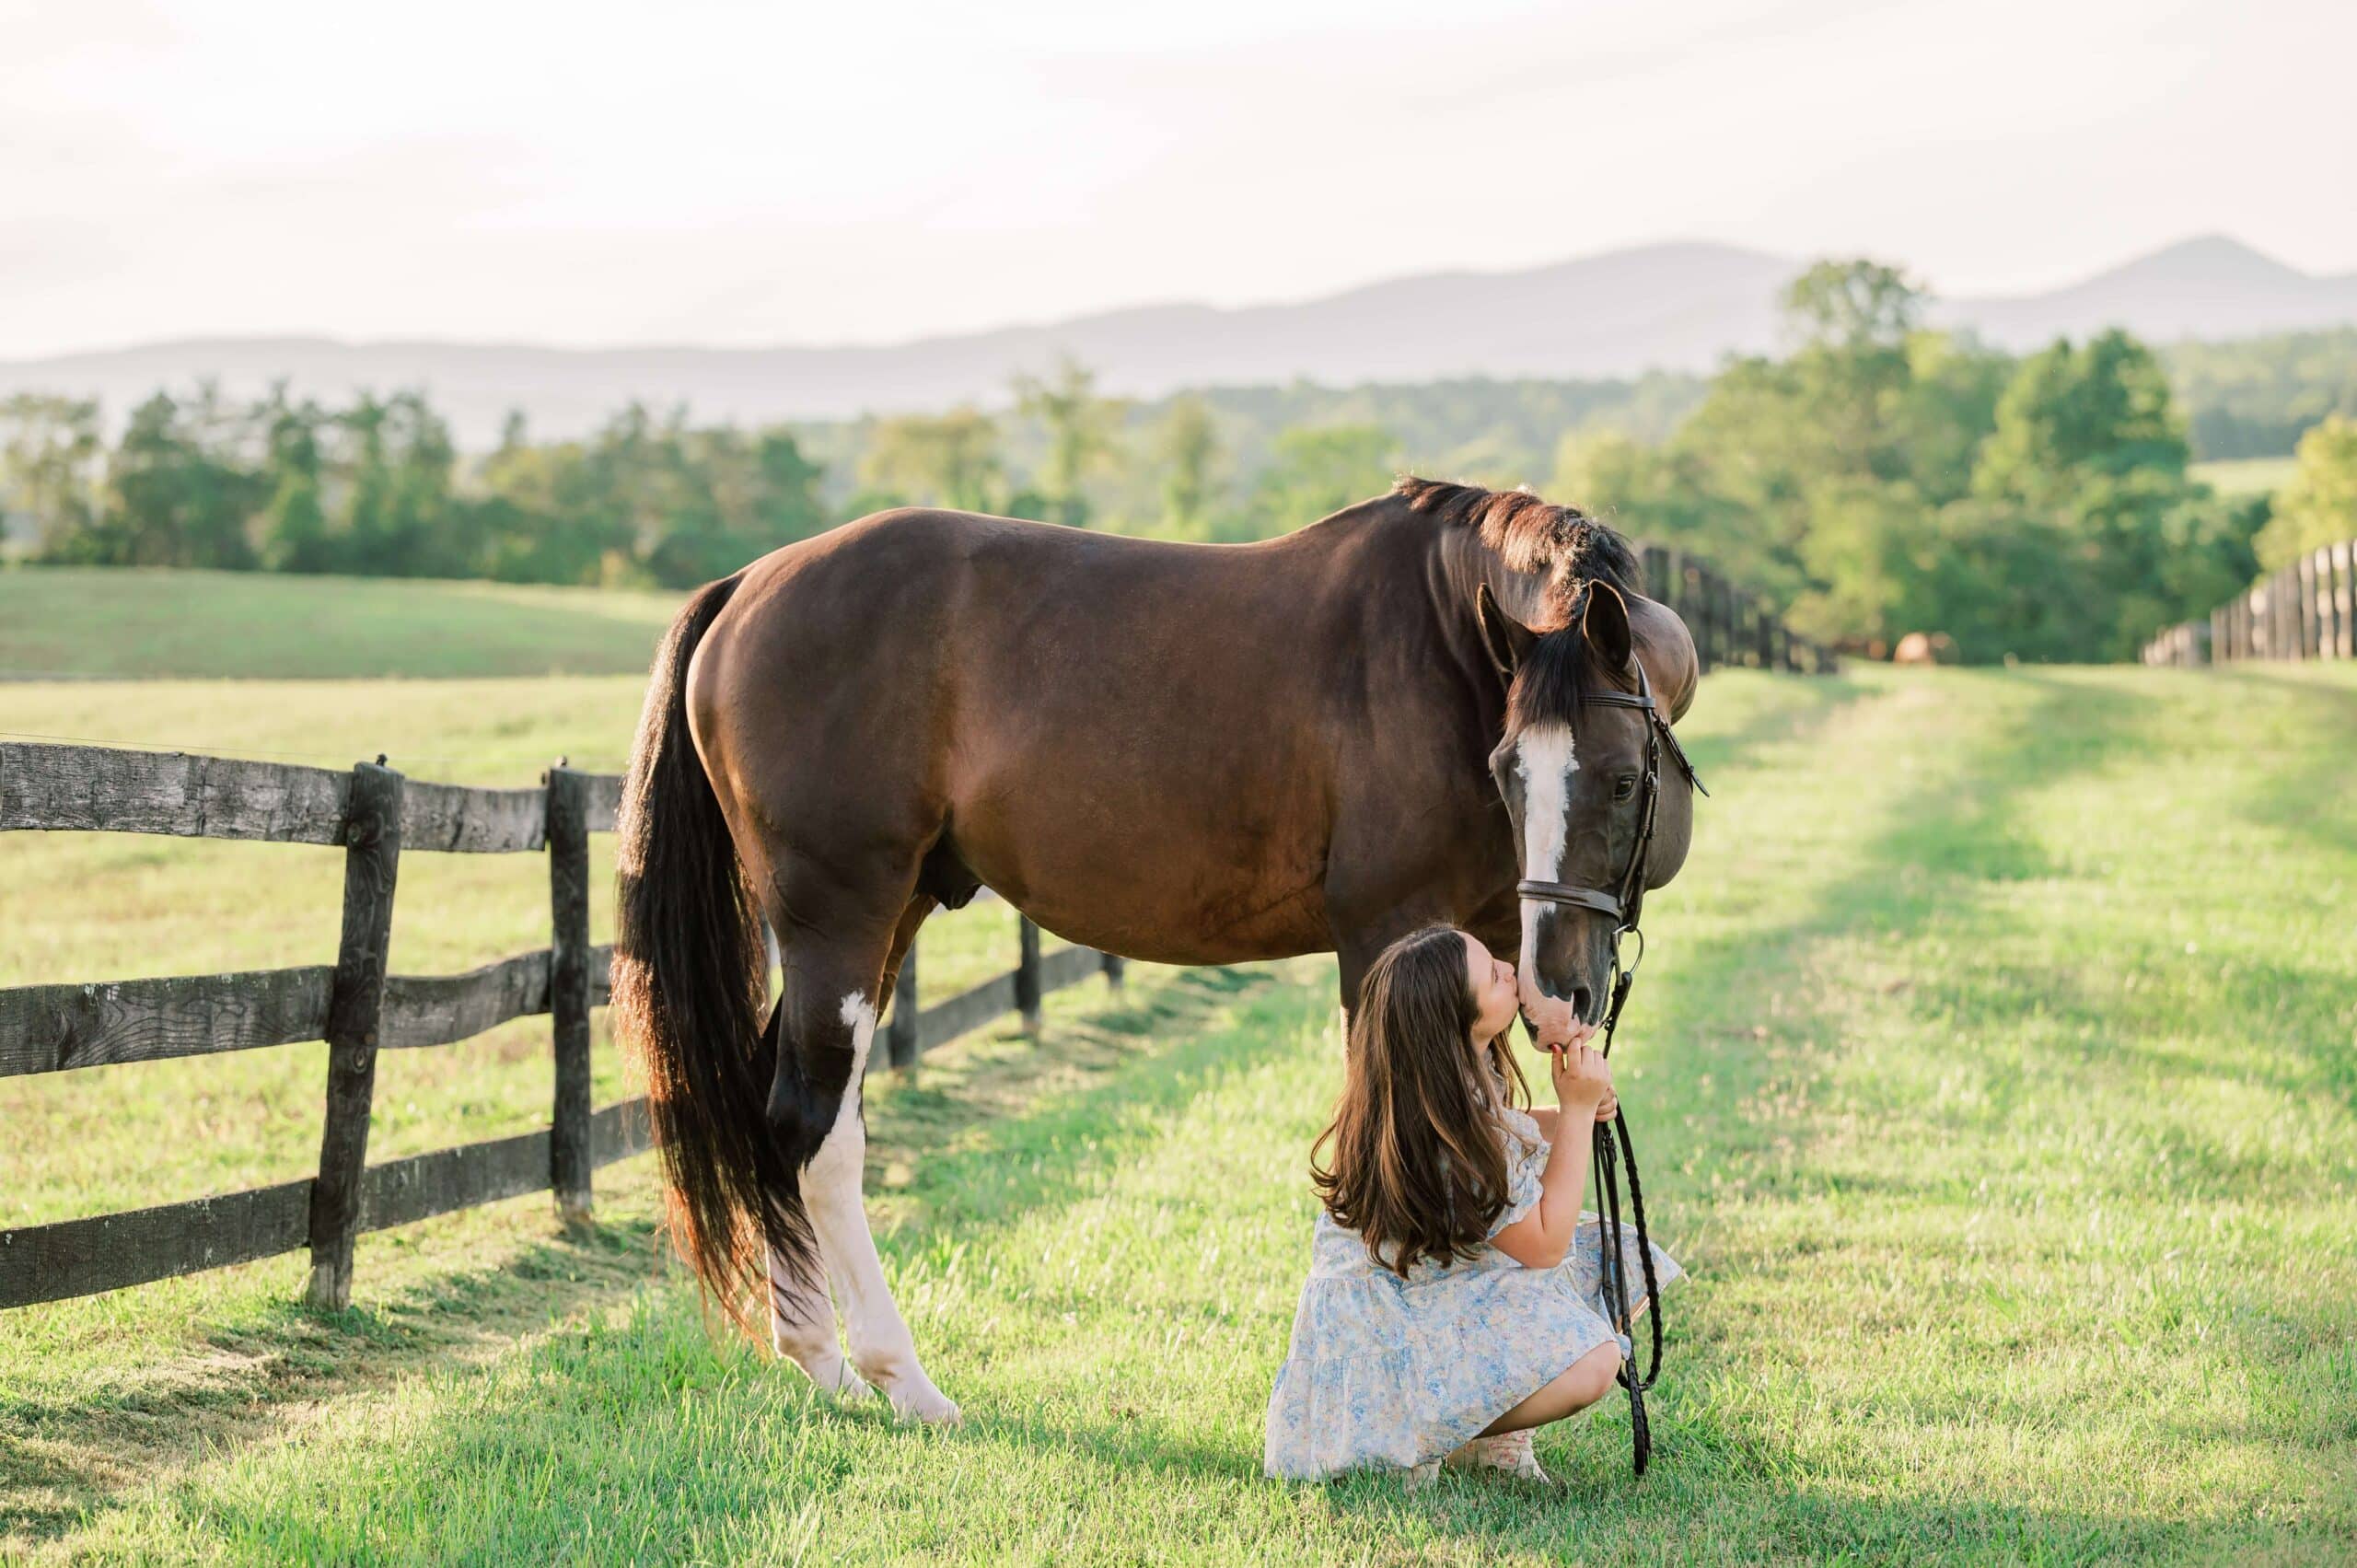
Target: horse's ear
{"points": [[1507, 640], [1605, 619]]}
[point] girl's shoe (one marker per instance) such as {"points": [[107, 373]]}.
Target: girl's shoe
{"points": [[1508, 1451]]}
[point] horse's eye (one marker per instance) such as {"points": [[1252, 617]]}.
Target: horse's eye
{"points": [[1626, 787]]}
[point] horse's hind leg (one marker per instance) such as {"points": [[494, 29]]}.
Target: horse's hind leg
{"points": [[802, 1316], [802, 1326], [834, 969]]}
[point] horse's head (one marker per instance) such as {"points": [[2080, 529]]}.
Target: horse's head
{"points": [[1598, 792]]}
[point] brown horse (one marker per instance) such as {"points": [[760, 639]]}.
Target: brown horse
{"points": [[1192, 754]]}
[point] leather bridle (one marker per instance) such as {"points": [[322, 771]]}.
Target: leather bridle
{"points": [[1625, 903]]}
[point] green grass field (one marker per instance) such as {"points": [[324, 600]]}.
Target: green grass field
{"points": [[2245, 476], [1994, 1075], [114, 621]]}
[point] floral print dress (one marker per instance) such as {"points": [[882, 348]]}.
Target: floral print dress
{"points": [[1395, 1373]]}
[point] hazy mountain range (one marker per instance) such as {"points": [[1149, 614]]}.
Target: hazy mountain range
{"points": [[1670, 307]]}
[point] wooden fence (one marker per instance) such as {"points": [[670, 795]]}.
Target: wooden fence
{"points": [[357, 1008], [1733, 627], [2306, 611]]}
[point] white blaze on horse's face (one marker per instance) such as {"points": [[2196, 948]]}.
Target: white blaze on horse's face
{"points": [[1544, 759]]}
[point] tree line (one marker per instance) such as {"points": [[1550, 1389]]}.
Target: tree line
{"points": [[1883, 478], [377, 488], [1879, 477]]}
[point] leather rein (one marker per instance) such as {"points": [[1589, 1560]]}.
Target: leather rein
{"points": [[1625, 903]]}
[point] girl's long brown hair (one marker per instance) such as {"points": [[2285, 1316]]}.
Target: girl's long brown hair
{"points": [[1418, 1168]]}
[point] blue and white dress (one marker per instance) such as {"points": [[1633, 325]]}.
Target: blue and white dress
{"points": [[1387, 1372]]}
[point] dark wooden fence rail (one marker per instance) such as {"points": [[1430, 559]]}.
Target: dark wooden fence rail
{"points": [[1733, 627], [358, 1008], [2306, 611]]}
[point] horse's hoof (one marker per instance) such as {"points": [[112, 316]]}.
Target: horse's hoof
{"points": [[921, 1402]]}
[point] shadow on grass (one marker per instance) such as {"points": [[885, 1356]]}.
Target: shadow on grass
{"points": [[1810, 702], [65, 1454], [65, 1457], [2312, 801]]}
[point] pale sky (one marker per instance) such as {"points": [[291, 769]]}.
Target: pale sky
{"points": [[597, 174]]}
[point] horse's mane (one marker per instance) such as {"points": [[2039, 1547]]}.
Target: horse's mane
{"points": [[1569, 548], [1564, 544]]}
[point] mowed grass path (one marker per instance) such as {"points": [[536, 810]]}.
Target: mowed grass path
{"points": [[1994, 1075], [150, 621]]}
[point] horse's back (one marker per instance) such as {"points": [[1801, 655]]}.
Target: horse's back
{"points": [[1060, 699]]}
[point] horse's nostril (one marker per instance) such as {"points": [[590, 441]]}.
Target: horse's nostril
{"points": [[1579, 1002]]}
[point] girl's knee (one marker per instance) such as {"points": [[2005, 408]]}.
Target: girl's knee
{"points": [[1595, 1372]]}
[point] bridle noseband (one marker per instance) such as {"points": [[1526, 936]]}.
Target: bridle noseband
{"points": [[1625, 903]]}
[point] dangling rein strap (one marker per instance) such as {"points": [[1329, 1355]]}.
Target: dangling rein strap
{"points": [[1616, 1282]]}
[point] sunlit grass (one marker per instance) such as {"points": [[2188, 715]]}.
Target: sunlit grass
{"points": [[147, 622], [1994, 1075], [2245, 476]]}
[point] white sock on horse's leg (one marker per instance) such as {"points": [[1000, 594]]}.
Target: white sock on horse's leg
{"points": [[802, 1328], [881, 1347]]}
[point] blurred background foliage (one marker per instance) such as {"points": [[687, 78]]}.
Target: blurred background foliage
{"points": [[1875, 477]]}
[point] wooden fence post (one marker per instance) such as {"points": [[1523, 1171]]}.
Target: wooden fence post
{"points": [[2346, 594], [1691, 610], [2304, 584], [1707, 608], [1026, 972], [2328, 635], [372, 839], [568, 846], [900, 1035]]}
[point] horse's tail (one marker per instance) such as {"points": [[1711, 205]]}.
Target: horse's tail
{"points": [[689, 977]]}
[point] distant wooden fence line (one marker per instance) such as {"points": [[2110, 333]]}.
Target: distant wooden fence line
{"points": [[1733, 627], [2306, 611], [357, 1008]]}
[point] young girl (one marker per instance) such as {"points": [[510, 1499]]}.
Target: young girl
{"points": [[1455, 1298]]}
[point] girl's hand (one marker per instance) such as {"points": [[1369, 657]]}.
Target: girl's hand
{"points": [[1583, 1077], [1608, 1107]]}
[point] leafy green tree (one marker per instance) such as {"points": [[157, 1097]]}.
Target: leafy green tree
{"points": [[1854, 306], [50, 462], [2069, 413], [293, 522], [1317, 471], [786, 505], [948, 460], [2319, 506], [1945, 410], [1188, 444], [1083, 433], [1868, 556], [178, 496]]}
